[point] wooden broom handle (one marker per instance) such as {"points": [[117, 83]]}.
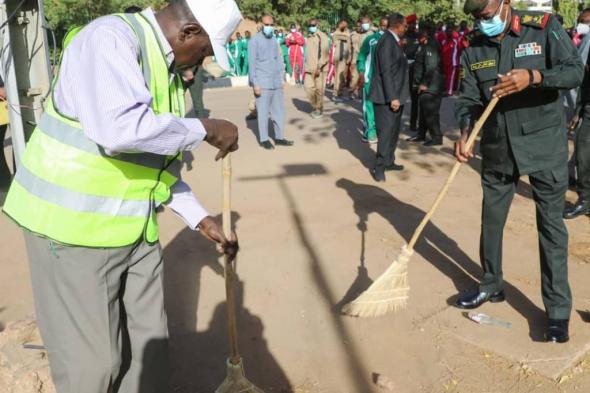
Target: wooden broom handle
{"points": [[468, 146], [229, 269]]}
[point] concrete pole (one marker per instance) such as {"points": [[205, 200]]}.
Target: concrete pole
{"points": [[25, 67]]}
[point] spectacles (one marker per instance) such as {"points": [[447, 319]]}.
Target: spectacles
{"points": [[478, 18]]}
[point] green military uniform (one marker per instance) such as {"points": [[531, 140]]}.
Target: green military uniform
{"points": [[365, 64], [524, 136]]}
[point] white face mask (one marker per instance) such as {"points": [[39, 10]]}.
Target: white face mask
{"points": [[582, 29]]}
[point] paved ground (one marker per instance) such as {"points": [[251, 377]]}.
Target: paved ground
{"points": [[316, 230]]}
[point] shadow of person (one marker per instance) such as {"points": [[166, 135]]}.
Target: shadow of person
{"points": [[198, 359], [348, 135], [302, 106], [435, 247]]}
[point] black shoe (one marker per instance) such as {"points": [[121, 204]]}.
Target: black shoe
{"points": [[580, 208], [394, 167], [378, 175], [476, 299], [284, 142], [252, 116], [434, 142], [416, 139], [267, 145], [557, 331]]}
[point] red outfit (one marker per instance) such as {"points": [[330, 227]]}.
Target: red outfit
{"points": [[451, 56], [331, 68], [295, 42]]}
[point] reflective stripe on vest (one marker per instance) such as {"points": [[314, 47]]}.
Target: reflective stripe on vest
{"points": [[70, 190]]}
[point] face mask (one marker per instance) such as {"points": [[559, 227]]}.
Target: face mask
{"points": [[293, 30], [381, 32], [313, 29], [212, 68], [582, 29], [495, 26], [268, 31], [365, 26]]}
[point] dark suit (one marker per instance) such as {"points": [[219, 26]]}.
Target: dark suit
{"points": [[390, 82]]}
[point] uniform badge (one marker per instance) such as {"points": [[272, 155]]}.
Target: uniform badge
{"points": [[530, 49], [483, 64]]}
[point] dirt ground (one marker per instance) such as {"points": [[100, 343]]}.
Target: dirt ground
{"points": [[315, 231]]}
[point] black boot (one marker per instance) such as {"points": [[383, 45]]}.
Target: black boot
{"points": [[557, 331], [476, 299], [581, 207]]}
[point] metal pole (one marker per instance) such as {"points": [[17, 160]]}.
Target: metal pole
{"points": [[25, 66]]}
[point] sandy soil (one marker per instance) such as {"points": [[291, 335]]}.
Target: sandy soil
{"points": [[315, 231]]}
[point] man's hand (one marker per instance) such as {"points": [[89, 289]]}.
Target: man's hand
{"points": [[514, 82], [573, 124], [395, 105], [212, 231], [318, 72], [461, 153], [2, 94], [422, 88], [257, 91], [221, 134]]}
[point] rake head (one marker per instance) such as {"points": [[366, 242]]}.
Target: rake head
{"points": [[236, 382]]}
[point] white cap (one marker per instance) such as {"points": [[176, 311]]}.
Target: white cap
{"points": [[219, 18]]}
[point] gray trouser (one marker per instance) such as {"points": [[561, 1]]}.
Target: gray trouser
{"points": [[101, 316], [271, 102]]}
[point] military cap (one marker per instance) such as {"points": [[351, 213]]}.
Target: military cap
{"points": [[472, 6]]}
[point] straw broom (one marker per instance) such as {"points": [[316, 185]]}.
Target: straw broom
{"points": [[391, 291], [235, 381]]}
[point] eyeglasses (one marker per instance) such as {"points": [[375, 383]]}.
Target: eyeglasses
{"points": [[478, 18]]}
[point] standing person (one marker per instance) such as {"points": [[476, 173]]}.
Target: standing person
{"points": [[525, 58], [316, 62], [389, 92], [366, 66], [5, 175], [284, 51], [429, 85], [295, 42], [357, 39], [243, 62], [196, 90], [113, 134], [451, 52], [233, 53], [267, 75], [342, 58], [331, 69], [411, 48], [581, 156]]}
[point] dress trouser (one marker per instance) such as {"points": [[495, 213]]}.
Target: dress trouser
{"points": [[415, 98], [315, 88], [582, 154], [4, 170], [388, 125], [430, 115], [271, 103], [549, 188], [101, 316], [196, 90]]}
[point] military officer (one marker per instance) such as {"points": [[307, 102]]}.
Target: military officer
{"points": [[524, 58]]}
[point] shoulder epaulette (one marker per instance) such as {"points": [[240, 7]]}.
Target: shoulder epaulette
{"points": [[535, 19]]}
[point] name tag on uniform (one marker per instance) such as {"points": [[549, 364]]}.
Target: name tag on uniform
{"points": [[483, 64], [530, 49]]}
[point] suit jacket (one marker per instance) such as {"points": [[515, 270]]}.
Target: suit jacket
{"points": [[390, 77]]}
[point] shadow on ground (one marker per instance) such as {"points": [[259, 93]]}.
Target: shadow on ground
{"points": [[198, 359], [434, 246]]}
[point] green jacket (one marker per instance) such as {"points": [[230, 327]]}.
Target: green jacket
{"points": [[525, 131], [366, 56]]}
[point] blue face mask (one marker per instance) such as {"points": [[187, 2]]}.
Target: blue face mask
{"points": [[268, 31], [495, 26], [365, 26], [313, 29]]}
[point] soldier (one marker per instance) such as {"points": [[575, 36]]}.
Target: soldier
{"points": [[342, 59], [365, 65], [316, 67], [524, 58], [411, 48]]}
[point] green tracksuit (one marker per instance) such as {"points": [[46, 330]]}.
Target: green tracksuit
{"points": [[285, 53], [233, 55], [243, 57], [364, 65]]}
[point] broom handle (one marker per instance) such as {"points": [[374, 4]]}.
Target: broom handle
{"points": [[229, 269], [454, 171]]}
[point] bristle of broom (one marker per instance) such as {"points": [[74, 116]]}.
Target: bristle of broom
{"points": [[389, 293]]}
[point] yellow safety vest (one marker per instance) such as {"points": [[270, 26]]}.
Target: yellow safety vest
{"points": [[69, 190]]}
